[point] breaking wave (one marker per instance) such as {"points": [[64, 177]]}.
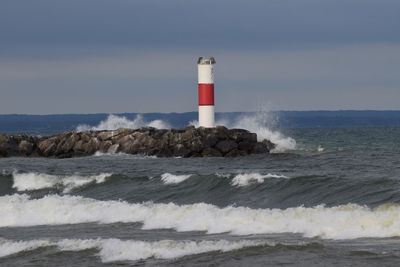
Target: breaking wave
{"points": [[340, 222], [112, 250], [8, 247], [248, 178], [36, 181], [261, 123], [114, 122], [169, 178]]}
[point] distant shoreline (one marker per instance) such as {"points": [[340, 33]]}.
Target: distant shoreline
{"points": [[51, 124]]}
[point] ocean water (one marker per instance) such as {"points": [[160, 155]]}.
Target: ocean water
{"points": [[329, 196]]}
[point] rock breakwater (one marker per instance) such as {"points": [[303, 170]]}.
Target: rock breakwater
{"points": [[186, 142]]}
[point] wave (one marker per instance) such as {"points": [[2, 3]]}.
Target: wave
{"points": [[340, 222], [261, 123], [8, 247], [248, 178], [36, 181], [114, 122], [169, 178], [112, 250], [121, 154], [102, 154], [239, 180]]}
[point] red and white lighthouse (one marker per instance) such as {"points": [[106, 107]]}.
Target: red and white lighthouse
{"points": [[206, 91]]}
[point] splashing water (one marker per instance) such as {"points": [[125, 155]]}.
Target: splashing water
{"points": [[260, 123], [169, 178], [114, 122], [245, 179], [338, 222], [112, 250], [36, 181]]}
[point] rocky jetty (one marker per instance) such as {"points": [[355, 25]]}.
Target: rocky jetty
{"points": [[186, 142]]}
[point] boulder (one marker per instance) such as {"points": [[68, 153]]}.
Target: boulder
{"points": [[226, 146], [260, 148], [47, 147], [186, 142], [26, 147], [269, 144], [246, 146], [242, 135], [235, 153], [211, 152], [105, 146]]}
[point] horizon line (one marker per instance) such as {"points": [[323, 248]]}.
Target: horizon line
{"points": [[220, 112]]}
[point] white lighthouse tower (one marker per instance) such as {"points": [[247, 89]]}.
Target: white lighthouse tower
{"points": [[206, 91]]}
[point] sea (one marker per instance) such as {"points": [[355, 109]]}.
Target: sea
{"points": [[327, 195]]}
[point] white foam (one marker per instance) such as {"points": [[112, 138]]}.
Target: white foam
{"points": [[35, 181], [114, 122], [111, 250], [121, 154], [8, 247], [102, 154], [260, 123], [341, 222], [248, 178], [169, 178]]}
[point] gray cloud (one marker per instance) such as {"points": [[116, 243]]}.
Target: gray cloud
{"points": [[139, 56], [179, 23]]}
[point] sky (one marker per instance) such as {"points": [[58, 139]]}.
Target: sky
{"points": [[114, 56]]}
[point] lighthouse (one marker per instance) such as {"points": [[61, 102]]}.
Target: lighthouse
{"points": [[206, 91]]}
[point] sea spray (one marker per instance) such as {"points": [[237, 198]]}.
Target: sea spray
{"points": [[114, 122], [264, 124]]}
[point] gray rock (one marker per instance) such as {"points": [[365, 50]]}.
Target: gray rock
{"points": [[106, 135], [186, 142], [226, 145], [246, 146], [241, 135], [269, 144], [105, 146], [235, 153], [26, 147], [260, 148], [211, 152], [47, 147]]}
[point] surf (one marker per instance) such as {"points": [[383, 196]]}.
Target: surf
{"points": [[36, 181], [114, 250], [340, 222]]}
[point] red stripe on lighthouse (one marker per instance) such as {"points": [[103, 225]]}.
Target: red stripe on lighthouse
{"points": [[206, 94]]}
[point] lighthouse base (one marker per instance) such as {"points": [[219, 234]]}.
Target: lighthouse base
{"points": [[206, 116]]}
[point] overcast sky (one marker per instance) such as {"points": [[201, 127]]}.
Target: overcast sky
{"points": [[90, 56]]}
